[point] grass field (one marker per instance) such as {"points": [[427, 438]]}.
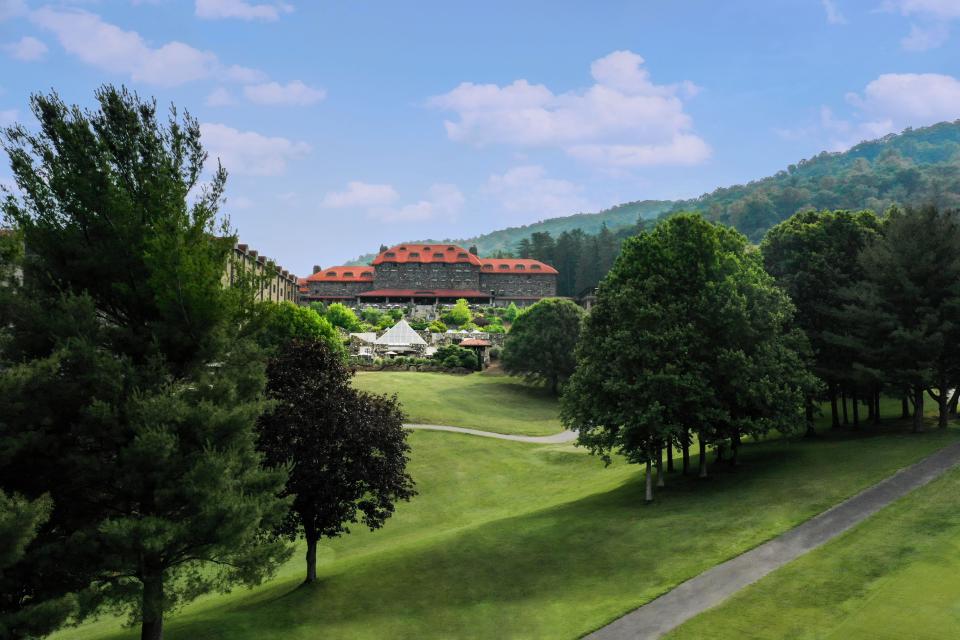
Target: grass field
{"points": [[480, 400], [517, 540], [896, 575]]}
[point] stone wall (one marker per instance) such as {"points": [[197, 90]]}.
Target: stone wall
{"points": [[441, 275], [346, 289], [519, 285]]}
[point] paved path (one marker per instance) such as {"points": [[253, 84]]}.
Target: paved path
{"points": [[712, 587], [556, 438]]}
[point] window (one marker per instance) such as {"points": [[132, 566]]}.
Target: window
{"points": [[414, 254], [331, 274], [535, 267], [461, 255], [348, 274], [451, 248], [426, 249], [488, 267], [390, 254], [366, 274], [520, 267], [504, 267], [438, 255], [401, 248]]}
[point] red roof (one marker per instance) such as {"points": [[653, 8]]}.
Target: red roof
{"points": [[424, 293], [474, 342], [343, 274], [515, 265], [426, 253]]}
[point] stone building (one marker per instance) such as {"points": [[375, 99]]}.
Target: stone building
{"points": [[430, 274], [277, 284]]}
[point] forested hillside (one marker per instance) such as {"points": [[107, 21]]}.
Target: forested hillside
{"points": [[914, 167]]}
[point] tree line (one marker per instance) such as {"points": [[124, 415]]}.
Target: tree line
{"points": [[699, 338], [161, 435]]}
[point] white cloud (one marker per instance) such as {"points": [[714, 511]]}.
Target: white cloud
{"points": [[361, 194], [219, 97], [934, 15], [11, 9], [26, 48], [623, 109], [910, 99], [925, 38], [248, 152], [243, 75], [833, 13], [216, 9], [106, 46], [293, 93], [528, 190], [442, 200]]}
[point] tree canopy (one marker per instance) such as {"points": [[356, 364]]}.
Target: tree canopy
{"points": [[542, 340]]}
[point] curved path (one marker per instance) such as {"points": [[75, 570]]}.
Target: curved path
{"points": [[710, 588], [556, 438]]}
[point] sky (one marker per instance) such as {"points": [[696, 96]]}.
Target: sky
{"points": [[349, 124]]}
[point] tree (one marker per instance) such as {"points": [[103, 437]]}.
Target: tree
{"points": [[437, 327], [340, 315], [911, 289], [346, 449], [473, 249], [688, 336], [280, 324], [813, 256], [510, 313], [454, 356], [19, 521], [459, 314], [541, 342], [159, 494]]}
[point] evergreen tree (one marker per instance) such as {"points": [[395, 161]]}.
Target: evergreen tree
{"points": [[148, 450]]}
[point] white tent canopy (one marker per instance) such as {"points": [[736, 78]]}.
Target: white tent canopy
{"points": [[400, 334]]}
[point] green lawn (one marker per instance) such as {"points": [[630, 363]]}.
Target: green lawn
{"points": [[516, 540], [896, 575], [483, 401]]}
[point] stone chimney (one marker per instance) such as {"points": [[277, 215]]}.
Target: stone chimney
{"points": [[316, 268]]}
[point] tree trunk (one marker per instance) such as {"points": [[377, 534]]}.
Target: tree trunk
{"points": [[876, 404], [843, 399], [152, 609], [918, 410], [904, 408], [953, 402], [669, 456], [834, 410], [943, 407], [856, 409], [660, 480], [869, 400], [312, 539], [811, 431], [685, 445], [734, 448], [703, 455], [649, 494]]}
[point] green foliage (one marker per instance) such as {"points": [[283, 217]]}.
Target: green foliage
{"points": [[510, 313], [418, 324], [284, 322], [437, 326], [395, 314], [340, 315], [453, 356], [347, 448], [458, 315], [918, 165], [541, 342], [689, 334], [371, 315], [133, 397]]}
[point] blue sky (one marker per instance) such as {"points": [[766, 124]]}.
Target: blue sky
{"points": [[345, 125]]}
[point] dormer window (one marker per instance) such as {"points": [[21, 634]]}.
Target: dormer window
{"points": [[348, 274], [504, 267], [390, 254], [451, 248], [535, 267], [366, 274], [438, 255], [414, 254], [462, 255], [520, 267], [426, 249], [331, 274], [401, 248], [488, 267]]}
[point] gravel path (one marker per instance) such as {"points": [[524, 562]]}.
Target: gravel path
{"points": [[556, 438], [712, 587]]}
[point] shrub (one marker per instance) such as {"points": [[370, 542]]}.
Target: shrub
{"points": [[437, 327], [340, 315], [459, 314], [452, 356]]}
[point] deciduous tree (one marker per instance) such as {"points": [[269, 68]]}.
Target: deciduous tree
{"points": [[542, 340]]}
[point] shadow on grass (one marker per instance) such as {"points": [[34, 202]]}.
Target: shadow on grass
{"points": [[565, 570]]}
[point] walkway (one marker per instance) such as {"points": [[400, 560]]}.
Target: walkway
{"points": [[712, 587], [557, 438]]}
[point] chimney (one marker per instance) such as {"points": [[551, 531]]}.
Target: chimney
{"points": [[253, 253], [243, 247], [316, 268]]}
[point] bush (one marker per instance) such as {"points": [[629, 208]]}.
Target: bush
{"points": [[437, 327], [371, 315], [419, 325], [340, 315], [453, 356], [510, 313], [459, 315], [396, 314], [481, 321]]}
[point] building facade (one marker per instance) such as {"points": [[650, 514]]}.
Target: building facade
{"points": [[433, 273], [276, 283]]}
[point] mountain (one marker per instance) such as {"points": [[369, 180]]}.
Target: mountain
{"points": [[506, 240], [917, 166]]}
